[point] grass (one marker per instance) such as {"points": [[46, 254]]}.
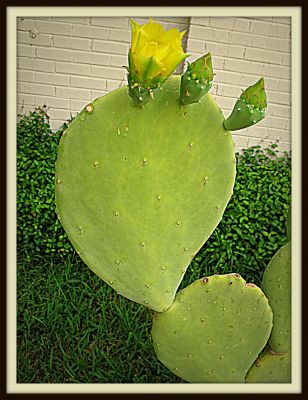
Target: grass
{"points": [[73, 328]]}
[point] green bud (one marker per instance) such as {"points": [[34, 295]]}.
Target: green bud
{"points": [[197, 80], [249, 108], [255, 94]]}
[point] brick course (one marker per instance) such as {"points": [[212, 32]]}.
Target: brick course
{"points": [[65, 62]]}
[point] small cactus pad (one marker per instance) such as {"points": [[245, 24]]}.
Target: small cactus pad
{"points": [[214, 330], [196, 80], [140, 189], [249, 108], [276, 284], [270, 368]]}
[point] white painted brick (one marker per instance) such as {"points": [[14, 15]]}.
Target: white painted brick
{"points": [[35, 88], [52, 79], [283, 146], [120, 35], [278, 97], [72, 68], [284, 85], [110, 47], [252, 141], [54, 102], [283, 45], [108, 72], [112, 22], [95, 94], [222, 22], [196, 46], [225, 103], [277, 71], [289, 125], [247, 39], [23, 110], [27, 99], [54, 28], [282, 20], [287, 60], [73, 93], [208, 34], [56, 113], [271, 57], [34, 64], [115, 84], [270, 29], [25, 24], [90, 32], [25, 50], [25, 76], [228, 91], [240, 141], [271, 83], [274, 122], [56, 124], [91, 58], [268, 19], [72, 20], [219, 49], [243, 66], [77, 105], [203, 21], [241, 25], [218, 62], [39, 40], [279, 110], [88, 83], [267, 133], [42, 18], [72, 43], [55, 54], [214, 89], [118, 61]]}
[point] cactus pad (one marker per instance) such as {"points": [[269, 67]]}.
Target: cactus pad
{"points": [[139, 190], [214, 330], [276, 284], [270, 368]]}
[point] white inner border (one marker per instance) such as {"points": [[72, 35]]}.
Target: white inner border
{"points": [[296, 14]]}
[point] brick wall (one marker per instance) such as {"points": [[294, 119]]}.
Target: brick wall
{"points": [[67, 62], [244, 49]]}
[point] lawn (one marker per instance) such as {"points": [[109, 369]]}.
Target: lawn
{"points": [[71, 326]]}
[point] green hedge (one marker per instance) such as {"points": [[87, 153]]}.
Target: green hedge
{"points": [[251, 231]]}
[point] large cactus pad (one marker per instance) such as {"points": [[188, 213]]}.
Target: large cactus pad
{"points": [[139, 190], [276, 284], [214, 330]]}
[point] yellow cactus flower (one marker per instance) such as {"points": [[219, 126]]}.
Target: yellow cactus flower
{"points": [[154, 52]]}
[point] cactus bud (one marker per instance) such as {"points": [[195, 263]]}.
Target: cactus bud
{"points": [[249, 108], [197, 80]]}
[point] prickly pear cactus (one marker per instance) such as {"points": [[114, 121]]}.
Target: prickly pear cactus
{"points": [[214, 330], [270, 367], [276, 284], [140, 189]]}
